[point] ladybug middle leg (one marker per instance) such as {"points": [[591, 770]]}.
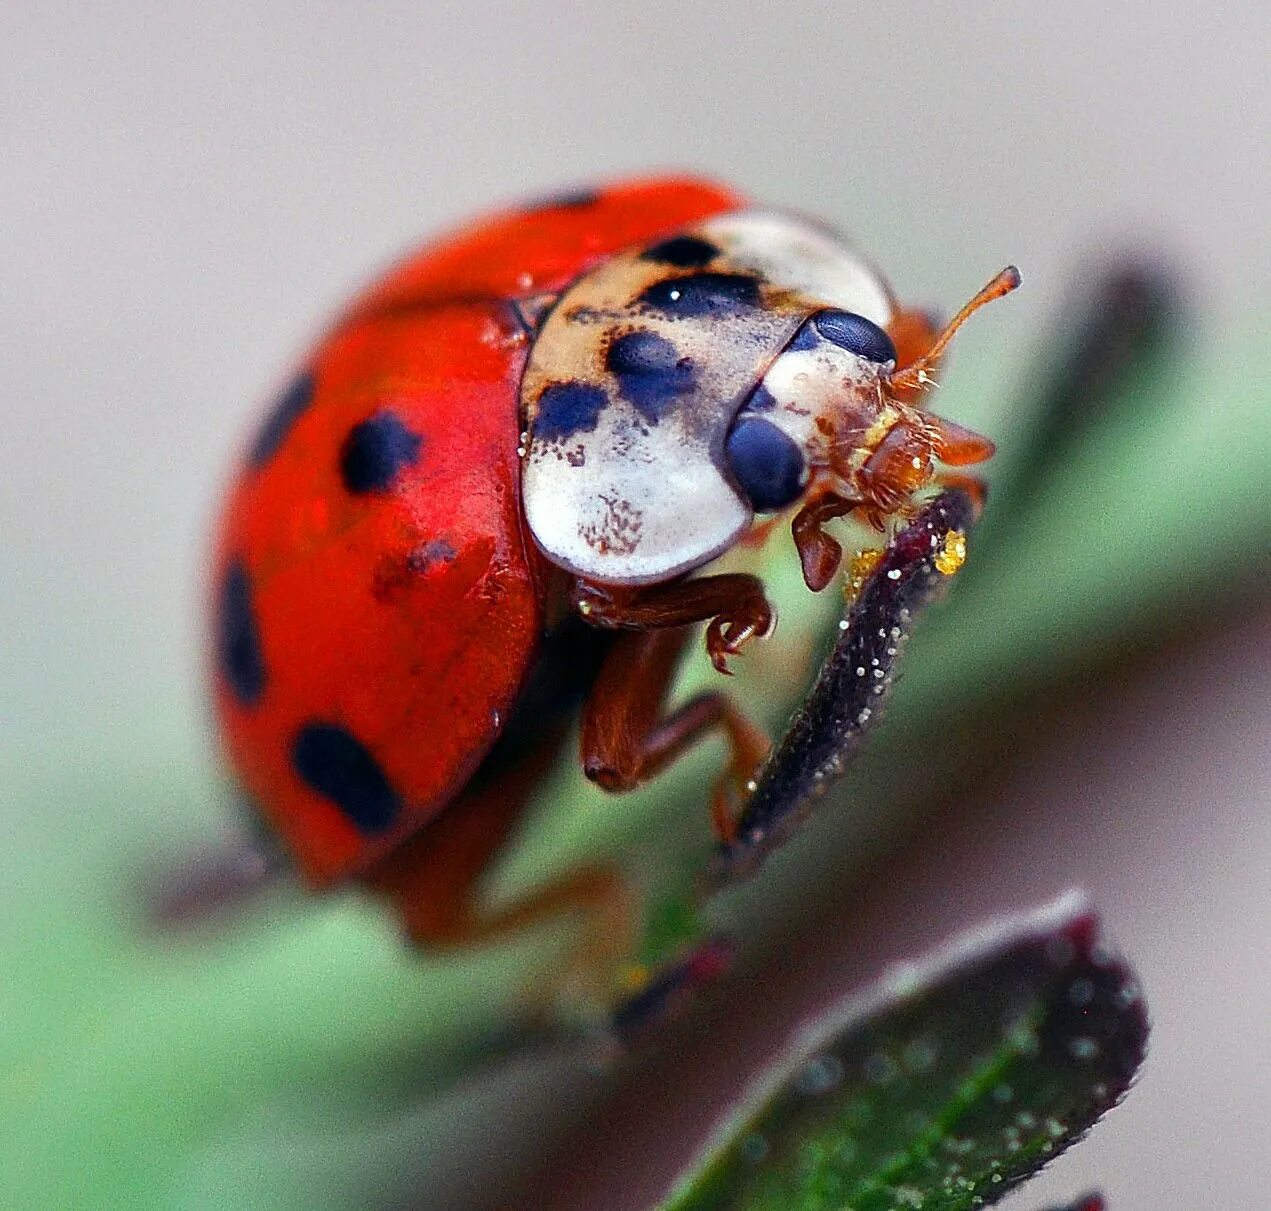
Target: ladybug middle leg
{"points": [[627, 736], [433, 880]]}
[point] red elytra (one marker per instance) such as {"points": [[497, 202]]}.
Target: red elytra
{"points": [[396, 650], [409, 618]]}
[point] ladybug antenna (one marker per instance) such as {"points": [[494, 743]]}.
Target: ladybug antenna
{"points": [[919, 374]]}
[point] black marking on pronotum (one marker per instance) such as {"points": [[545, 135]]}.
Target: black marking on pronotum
{"points": [[767, 465], [332, 761], [703, 294], [375, 452], [807, 337], [761, 400], [856, 334], [651, 373], [826, 731], [567, 408], [238, 650], [287, 409], [682, 251]]}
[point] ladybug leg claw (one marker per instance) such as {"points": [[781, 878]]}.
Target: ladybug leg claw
{"points": [[733, 602], [627, 738], [727, 634]]}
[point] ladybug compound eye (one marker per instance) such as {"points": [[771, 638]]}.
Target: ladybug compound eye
{"points": [[854, 333], [766, 463]]}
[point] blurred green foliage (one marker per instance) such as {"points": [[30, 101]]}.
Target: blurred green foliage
{"points": [[287, 1057]]}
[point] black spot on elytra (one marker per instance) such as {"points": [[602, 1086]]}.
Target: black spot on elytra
{"points": [[703, 294], [238, 650], [376, 451], [397, 573], [569, 199], [568, 408], [428, 554], [333, 762], [766, 463], [856, 334], [287, 409], [650, 372], [683, 251]]}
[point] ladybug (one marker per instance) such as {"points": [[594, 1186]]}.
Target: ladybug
{"points": [[483, 505]]}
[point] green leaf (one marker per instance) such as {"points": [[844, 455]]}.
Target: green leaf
{"points": [[826, 730], [942, 1087]]}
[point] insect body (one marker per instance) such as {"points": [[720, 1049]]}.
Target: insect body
{"points": [[486, 497]]}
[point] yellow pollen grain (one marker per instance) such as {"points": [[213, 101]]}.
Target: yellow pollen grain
{"points": [[952, 555], [858, 571], [634, 977]]}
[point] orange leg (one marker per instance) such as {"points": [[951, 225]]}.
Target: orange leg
{"points": [[433, 881], [627, 738], [733, 602], [819, 554]]}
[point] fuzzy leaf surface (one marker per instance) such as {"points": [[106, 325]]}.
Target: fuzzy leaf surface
{"points": [[942, 1087]]}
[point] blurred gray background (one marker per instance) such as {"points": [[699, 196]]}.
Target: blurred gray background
{"points": [[189, 190]]}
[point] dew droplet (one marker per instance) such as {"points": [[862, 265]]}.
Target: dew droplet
{"points": [[1083, 1048], [819, 1075], [1081, 992], [1126, 995]]}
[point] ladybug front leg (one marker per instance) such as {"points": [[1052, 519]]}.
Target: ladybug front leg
{"points": [[627, 736], [819, 554], [734, 602]]}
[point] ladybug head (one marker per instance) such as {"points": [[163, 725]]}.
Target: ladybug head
{"points": [[735, 366], [832, 415]]}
